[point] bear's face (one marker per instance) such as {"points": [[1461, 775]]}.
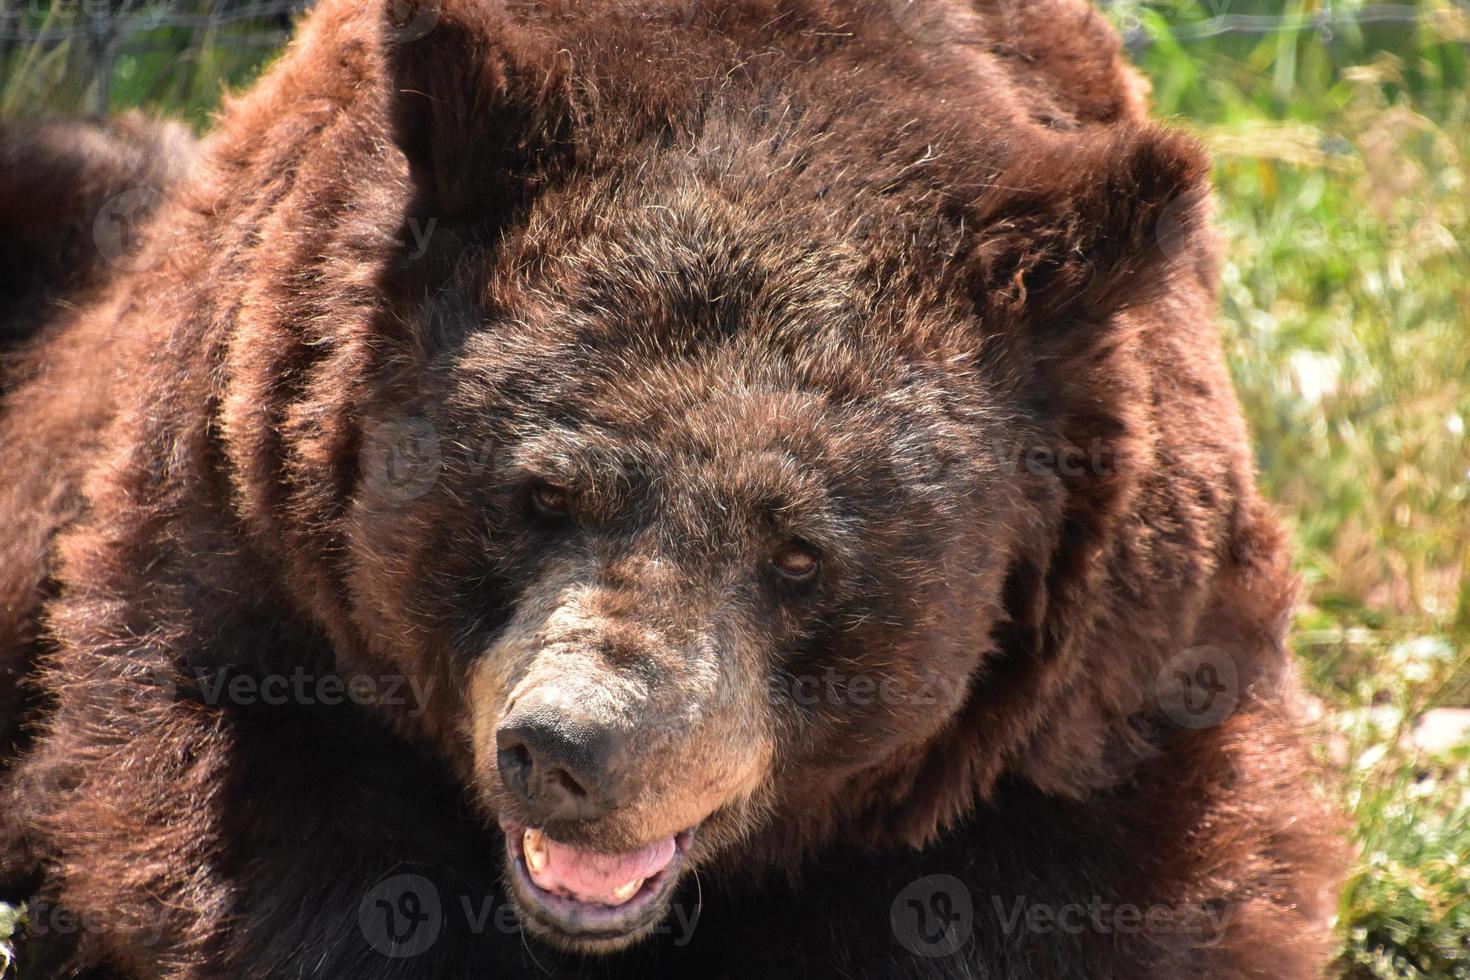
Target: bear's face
{"points": [[698, 550]]}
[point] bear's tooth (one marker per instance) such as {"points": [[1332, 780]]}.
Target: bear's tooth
{"points": [[533, 842], [626, 892]]}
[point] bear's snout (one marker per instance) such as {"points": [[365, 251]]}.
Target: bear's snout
{"points": [[561, 762]]}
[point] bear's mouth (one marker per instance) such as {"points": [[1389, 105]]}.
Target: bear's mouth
{"points": [[589, 900]]}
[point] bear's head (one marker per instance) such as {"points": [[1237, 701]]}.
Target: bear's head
{"points": [[727, 440]]}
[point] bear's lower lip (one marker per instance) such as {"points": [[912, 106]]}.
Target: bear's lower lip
{"points": [[587, 924]]}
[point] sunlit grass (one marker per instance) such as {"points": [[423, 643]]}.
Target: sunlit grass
{"points": [[1343, 167], [11, 920]]}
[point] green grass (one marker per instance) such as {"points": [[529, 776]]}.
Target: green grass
{"points": [[1344, 179], [11, 920], [180, 71]]}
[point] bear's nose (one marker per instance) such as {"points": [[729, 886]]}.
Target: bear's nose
{"points": [[557, 761]]}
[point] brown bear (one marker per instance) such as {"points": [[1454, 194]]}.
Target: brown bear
{"points": [[623, 489]]}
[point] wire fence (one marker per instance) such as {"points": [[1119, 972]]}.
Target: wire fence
{"points": [[90, 37], [79, 46], [1325, 21], [121, 18], [1330, 21]]}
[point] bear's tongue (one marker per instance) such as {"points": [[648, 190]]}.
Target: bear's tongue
{"points": [[587, 876]]}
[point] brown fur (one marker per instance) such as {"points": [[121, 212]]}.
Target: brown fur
{"points": [[59, 177], [731, 274], [60, 181]]}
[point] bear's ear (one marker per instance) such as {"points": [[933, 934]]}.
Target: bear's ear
{"points": [[1077, 233], [479, 107], [347, 182], [462, 95], [1066, 241]]}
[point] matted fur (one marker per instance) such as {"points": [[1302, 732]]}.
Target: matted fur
{"points": [[693, 259]]}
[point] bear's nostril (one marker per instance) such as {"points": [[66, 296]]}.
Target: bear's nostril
{"points": [[560, 764], [520, 756], [562, 780], [546, 786], [515, 769]]}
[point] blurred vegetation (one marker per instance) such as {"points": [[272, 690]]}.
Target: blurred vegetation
{"points": [[1343, 161], [11, 921], [168, 56], [1343, 167]]}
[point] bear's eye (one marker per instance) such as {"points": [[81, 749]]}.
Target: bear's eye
{"points": [[797, 561], [551, 502]]}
